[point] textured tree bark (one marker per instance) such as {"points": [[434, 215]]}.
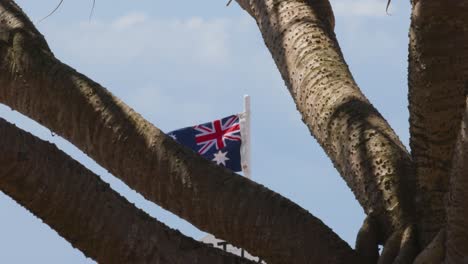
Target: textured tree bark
{"points": [[236, 209], [438, 73], [361, 144], [367, 241], [457, 209], [86, 211]]}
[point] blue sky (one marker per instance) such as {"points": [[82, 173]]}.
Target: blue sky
{"points": [[179, 63]]}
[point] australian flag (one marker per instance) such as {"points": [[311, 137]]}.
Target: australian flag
{"points": [[218, 141]]}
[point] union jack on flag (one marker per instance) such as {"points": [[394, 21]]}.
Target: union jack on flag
{"points": [[218, 141]]}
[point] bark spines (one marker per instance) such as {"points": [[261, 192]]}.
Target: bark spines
{"points": [[320, 88]]}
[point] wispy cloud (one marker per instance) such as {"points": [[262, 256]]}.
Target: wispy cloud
{"points": [[129, 21], [137, 36]]}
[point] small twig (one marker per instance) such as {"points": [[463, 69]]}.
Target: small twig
{"points": [[228, 3], [388, 4], [53, 11], [92, 10]]}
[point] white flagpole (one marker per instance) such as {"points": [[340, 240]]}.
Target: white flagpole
{"points": [[245, 132]]}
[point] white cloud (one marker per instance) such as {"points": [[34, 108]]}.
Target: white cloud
{"points": [[157, 104], [362, 8], [136, 36], [180, 67], [130, 20]]}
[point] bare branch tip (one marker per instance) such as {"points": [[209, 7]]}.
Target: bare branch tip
{"points": [[386, 8], [51, 13], [228, 3], [92, 10]]}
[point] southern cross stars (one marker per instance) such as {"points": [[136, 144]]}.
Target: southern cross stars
{"points": [[220, 158]]}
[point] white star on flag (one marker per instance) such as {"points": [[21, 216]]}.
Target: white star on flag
{"points": [[220, 158]]}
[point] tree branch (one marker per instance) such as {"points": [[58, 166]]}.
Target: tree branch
{"points": [[231, 207], [367, 241], [457, 209], [361, 144], [86, 211], [438, 70]]}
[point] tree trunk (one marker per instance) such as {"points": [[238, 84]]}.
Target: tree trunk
{"points": [[86, 211], [361, 144], [213, 199], [457, 208], [438, 74]]}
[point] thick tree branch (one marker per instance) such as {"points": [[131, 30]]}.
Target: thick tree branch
{"points": [[361, 144], [231, 207], [86, 211], [457, 208], [438, 70]]}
